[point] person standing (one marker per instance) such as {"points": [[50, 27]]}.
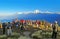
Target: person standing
{"points": [[38, 23], [1, 29], [55, 30], [4, 25], [22, 27], [9, 29]]}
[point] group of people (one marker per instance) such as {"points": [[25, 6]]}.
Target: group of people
{"points": [[7, 27]]}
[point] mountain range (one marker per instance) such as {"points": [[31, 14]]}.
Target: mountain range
{"points": [[32, 16]]}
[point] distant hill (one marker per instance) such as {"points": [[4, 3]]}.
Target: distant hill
{"points": [[40, 16], [48, 17]]}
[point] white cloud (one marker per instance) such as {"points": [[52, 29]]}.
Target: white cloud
{"points": [[49, 12], [26, 12], [19, 13], [39, 11], [35, 12], [5, 14], [58, 12], [52, 12]]}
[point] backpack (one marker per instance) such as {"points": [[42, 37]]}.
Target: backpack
{"points": [[7, 27]]}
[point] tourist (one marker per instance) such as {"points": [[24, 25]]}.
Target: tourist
{"points": [[55, 30], [1, 29], [38, 23], [9, 29], [22, 22], [4, 25]]}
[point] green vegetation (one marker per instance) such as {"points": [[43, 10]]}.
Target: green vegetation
{"points": [[13, 36], [35, 35], [43, 34]]}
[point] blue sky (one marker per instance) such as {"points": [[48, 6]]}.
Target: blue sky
{"points": [[13, 6]]}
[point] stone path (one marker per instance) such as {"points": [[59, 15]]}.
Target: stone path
{"points": [[26, 35]]}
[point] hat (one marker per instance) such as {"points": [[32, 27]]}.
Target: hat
{"points": [[55, 21]]}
